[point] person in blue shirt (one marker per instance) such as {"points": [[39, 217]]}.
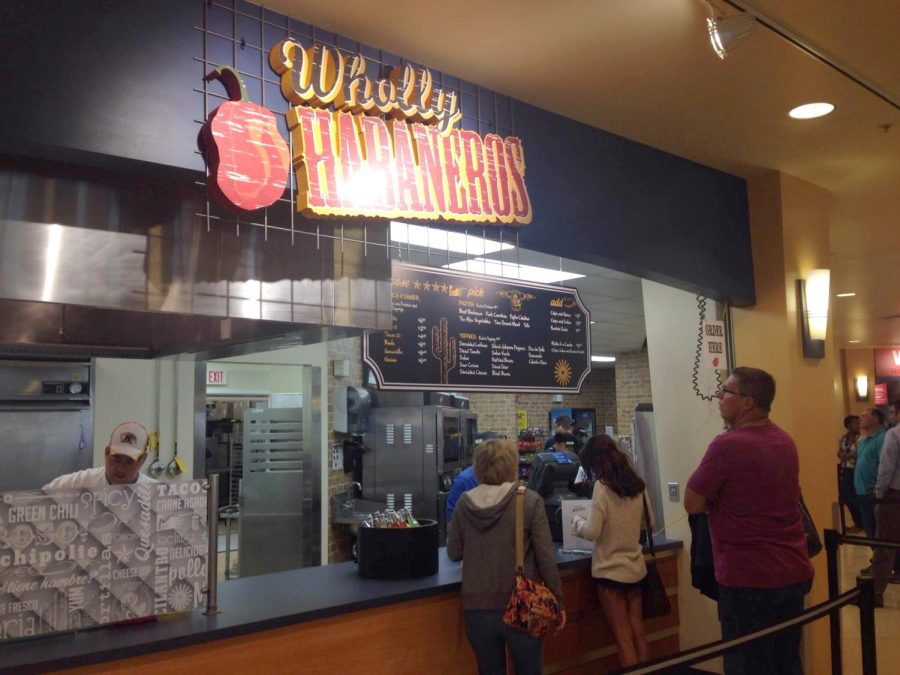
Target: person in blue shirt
{"points": [[464, 481], [868, 449]]}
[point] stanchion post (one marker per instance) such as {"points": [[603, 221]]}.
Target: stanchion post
{"points": [[841, 499], [212, 521], [867, 624], [832, 541]]}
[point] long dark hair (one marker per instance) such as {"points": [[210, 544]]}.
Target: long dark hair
{"points": [[611, 466]]}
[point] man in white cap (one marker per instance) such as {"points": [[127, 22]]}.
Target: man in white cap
{"points": [[124, 457]]}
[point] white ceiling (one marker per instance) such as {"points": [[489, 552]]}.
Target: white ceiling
{"points": [[644, 69]]}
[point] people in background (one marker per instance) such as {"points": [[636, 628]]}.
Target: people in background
{"points": [[887, 516], [748, 483], [617, 563], [465, 480], [482, 535], [123, 458], [868, 448], [893, 422], [563, 425], [894, 414], [847, 461], [562, 442]]}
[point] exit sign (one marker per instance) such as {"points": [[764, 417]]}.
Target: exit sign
{"points": [[215, 377]]}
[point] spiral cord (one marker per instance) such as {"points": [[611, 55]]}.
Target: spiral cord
{"points": [[698, 354]]}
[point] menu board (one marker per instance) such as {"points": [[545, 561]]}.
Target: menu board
{"points": [[468, 332], [73, 558]]}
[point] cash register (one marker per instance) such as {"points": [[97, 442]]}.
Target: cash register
{"points": [[551, 474]]}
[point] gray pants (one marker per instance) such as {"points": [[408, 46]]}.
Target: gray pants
{"points": [[489, 636], [887, 518]]}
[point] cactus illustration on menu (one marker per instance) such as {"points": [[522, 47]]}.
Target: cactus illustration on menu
{"points": [[443, 348]]}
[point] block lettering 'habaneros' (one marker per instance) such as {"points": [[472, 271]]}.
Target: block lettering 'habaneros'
{"points": [[350, 161]]}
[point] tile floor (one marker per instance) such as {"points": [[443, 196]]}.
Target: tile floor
{"points": [[887, 620]]}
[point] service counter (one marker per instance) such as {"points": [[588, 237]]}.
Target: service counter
{"points": [[328, 620]]}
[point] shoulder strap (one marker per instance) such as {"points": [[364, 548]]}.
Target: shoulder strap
{"points": [[520, 529], [648, 526]]}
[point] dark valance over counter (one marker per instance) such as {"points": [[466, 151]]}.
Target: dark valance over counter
{"points": [[130, 77]]}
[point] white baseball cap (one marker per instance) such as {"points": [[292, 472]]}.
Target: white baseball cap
{"points": [[129, 439]]}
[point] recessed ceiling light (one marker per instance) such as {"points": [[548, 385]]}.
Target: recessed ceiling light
{"points": [[845, 295], [854, 342], [811, 110], [603, 359], [593, 322]]}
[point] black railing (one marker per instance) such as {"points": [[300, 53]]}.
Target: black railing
{"points": [[863, 595]]}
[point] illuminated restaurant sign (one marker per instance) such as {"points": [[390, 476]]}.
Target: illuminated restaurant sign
{"points": [[350, 161], [887, 362]]}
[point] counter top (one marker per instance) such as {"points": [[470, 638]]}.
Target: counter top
{"points": [[247, 605]]}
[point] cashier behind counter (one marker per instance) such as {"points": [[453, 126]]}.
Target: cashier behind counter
{"points": [[563, 429], [123, 458]]}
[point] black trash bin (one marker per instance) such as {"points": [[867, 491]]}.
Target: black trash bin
{"points": [[401, 553]]}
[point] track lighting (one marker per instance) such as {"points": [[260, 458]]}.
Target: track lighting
{"points": [[725, 32]]}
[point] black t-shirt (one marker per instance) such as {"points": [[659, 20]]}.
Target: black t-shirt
{"points": [[573, 442]]}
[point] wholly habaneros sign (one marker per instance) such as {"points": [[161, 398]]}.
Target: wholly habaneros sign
{"points": [[351, 161]]}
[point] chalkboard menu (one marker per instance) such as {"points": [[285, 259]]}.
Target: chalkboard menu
{"points": [[467, 332]]}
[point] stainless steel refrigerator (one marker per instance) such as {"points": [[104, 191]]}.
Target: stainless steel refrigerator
{"points": [[416, 451], [45, 421]]}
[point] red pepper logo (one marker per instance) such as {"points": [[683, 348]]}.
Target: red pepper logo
{"points": [[248, 159]]}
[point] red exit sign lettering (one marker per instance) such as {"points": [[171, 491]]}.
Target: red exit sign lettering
{"points": [[215, 377]]}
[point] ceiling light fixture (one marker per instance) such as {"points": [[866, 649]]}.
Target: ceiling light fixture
{"points": [[854, 342], [846, 295], [603, 359], [498, 268], [428, 238], [803, 44], [810, 111], [726, 32]]}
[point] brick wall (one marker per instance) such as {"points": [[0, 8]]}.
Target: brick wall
{"points": [[497, 412], [632, 386]]}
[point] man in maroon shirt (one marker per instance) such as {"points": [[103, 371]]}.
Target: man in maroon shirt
{"points": [[748, 482]]}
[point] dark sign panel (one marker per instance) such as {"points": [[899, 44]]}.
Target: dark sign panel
{"points": [[887, 362], [466, 332]]}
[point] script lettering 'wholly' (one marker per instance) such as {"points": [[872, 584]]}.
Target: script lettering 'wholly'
{"points": [[349, 160]]}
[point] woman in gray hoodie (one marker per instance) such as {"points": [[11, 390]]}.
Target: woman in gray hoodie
{"points": [[482, 533]]}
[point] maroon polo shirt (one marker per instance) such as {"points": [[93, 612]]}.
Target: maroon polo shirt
{"points": [[751, 478]]}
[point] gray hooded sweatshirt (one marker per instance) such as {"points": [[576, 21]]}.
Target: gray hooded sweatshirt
{"points": [[482, 534]]}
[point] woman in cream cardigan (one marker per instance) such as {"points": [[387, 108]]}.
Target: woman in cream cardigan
{"points": [[614, 525]]}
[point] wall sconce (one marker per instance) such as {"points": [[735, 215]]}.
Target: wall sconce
{"points": [[812, 295], [862, 388]]}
